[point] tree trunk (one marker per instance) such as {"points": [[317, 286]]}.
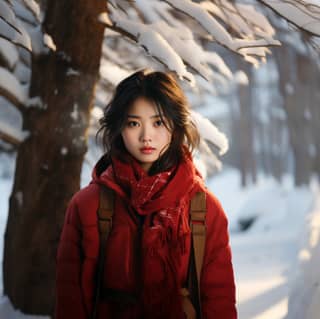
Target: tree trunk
{"points": [[294, 81], [49, 162], [245, 134]]}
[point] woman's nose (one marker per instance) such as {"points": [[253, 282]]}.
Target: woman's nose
{"points": [[145, 135]]}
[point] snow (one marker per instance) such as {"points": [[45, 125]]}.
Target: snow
{"points": [[241, 77], [210, 132], [289, 88], [72, 72], [305, 292], [48, 41], [9, 32], [217, 30], [13, 132], [34, 7], [265, 257], [22, 72], [183, 43], [153, 42], [241, 17], [23, 13], [112, 73], [64, 151], [10, 85], [10, 114], [36, 102], [6, 13], [304, 14], [9, 53], [211, 107], [96, 113], [19, 197], [206, 20], [75, 112], [37, 39], [266, 260]]}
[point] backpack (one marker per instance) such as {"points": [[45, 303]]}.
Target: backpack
{"points": [[191, 293]]}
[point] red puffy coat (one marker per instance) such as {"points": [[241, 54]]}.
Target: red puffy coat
{"points": [[124, 271]]}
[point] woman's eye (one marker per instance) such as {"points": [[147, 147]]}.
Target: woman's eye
{"points": [[158, 123], [132, 124]]}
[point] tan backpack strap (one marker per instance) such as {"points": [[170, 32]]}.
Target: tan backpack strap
{"points": [[198, 214], [104, 214], [197, 224]]}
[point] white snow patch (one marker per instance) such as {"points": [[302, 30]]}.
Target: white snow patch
{"points": [[64, 150], [210, 132], [36, 102], [9, 53], [97, 112], [48, 41], [71, 72], [241, 77], [13, 131], [19, 198], [75, 113], [10, 84]]}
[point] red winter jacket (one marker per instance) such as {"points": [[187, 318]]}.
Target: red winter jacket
{"points": [[78, 253]]}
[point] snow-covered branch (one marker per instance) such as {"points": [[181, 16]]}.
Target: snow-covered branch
{"points": [[11, 89], [153, 42], [304, 14], [11, 29], [216, 29], [11, 135]]}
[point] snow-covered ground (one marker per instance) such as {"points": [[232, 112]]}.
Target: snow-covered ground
{"points": [[265, 256]]}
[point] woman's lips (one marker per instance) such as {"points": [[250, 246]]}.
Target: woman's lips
{"points": [[147, 150]]}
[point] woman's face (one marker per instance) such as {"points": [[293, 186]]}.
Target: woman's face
{"points": [[145, 136]]}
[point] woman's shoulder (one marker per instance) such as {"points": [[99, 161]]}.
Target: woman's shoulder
{"points": [[214, 209], [212, 199], [86, 199]]}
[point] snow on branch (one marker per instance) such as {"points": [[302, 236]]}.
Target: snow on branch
{"points": [[182, 40], [191, 52], [11, 89], [305, 14], [242, 18], [7, 15], [153, 42], [174, 45], [154, 25], [34, 8], [11, 29], [112, 73], [214, 28], [8, 53], [24, 13], [12, 135], [210, 132]]}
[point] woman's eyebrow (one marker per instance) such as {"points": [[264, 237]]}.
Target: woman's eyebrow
{"points": [[134, 116], [138, 117]]}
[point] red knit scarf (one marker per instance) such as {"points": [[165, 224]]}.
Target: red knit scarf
{"points": [[164, 201]]}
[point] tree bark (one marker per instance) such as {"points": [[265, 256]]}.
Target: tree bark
{"points": [[294, 73], [49, 162]]}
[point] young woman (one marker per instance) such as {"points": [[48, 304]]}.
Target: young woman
{"points": [[148, 137]]}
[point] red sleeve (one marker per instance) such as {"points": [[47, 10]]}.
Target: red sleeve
{"points": [[69, 299], [217, 278]]}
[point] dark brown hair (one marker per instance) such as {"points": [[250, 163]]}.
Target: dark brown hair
{"points": [[163, 90]]}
